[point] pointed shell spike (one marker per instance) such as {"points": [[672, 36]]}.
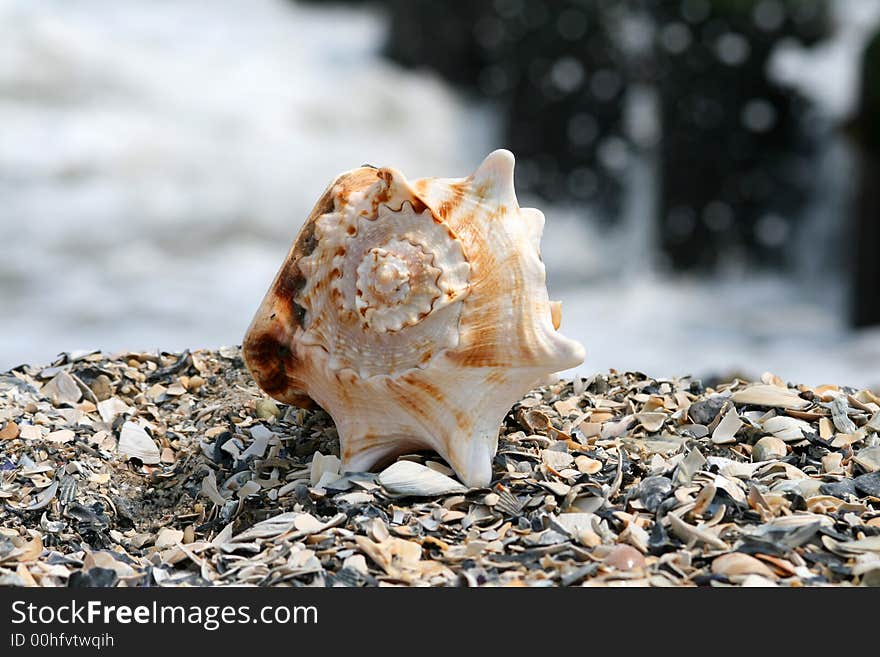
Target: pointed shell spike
{"points": [[556, 314], [493, 179], [393, 313]]}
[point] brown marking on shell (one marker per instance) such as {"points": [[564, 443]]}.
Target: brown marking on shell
{"points": [[478, 356], [290, 279], [422, 186], [267, 346], [345, 381], [271, 362], [364, 442], [418, 206], [451, 203], [404, 396], [496, 377], [395, 446], [485, 188], [387, 175], [384, 194], [346, 185], [485, 342], [425, 386]]}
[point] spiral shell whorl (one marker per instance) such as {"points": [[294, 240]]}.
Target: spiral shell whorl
{"points": [[396, 285], [384, 287]]}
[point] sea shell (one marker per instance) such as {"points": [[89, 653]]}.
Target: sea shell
{"points": [[135, 443], [738, 563], [405, 478], [415, 313], [769, 395]]}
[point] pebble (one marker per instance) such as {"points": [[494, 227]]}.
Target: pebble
{"points": [[768, 448], [194, 383], [786, 428], [587, 465], [356, 562], [9, 431], [652, 421], [102, 387], [840, 417], [405, 478], [738, 563], [703, 412], [267, 408], [624, 557], [653, 490], [29, 432], [108, 409], [321, 465], [580, 527], [839, 489], [868, 484], [769, 396]]}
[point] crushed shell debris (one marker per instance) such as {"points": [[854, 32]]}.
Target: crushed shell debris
{"points": [[145, 469]]}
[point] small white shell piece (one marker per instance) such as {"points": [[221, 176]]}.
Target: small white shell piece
{"points": [[405, 479], [415, 312]]}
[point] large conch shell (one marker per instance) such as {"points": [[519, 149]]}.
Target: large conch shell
{"points": [[415, 313]]}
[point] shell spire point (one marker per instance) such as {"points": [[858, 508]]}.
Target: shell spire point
{"points": [[494, 177], [392, 313]]}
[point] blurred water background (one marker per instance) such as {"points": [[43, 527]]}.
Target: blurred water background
{"points": [[701, 165]]}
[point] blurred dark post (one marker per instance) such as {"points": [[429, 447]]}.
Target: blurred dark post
{"points": [[565, 110], [438, 36], [556, 72], [579, 86], [734, 149], [866, 263]]}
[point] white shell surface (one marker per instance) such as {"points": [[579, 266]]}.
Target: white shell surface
{"points": [[405, 478], [134, 442], [415, 313]]}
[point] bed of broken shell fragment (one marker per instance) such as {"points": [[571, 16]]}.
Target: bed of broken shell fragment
{"points": [[172, 469]]}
